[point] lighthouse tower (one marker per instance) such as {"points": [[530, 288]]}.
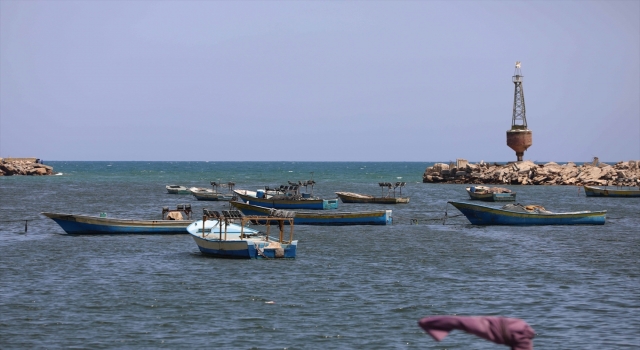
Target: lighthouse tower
{"points": [[519, 137]]}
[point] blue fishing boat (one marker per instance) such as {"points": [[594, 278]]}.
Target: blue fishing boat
{"points": [[593, 191], [516, 214], [217, 236], [279, 200], [172, 222], [330, 218]]}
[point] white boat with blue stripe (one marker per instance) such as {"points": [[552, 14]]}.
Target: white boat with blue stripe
{"points": [[217, 236]]}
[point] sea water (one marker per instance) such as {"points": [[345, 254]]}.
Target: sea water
{"points": [[357, 287]]}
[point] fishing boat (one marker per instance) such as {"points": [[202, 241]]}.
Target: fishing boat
{"points": [[491, 194], [211, 196], [517, 214], [350, 197], [389, 198], [216, 235], [172, 222], [287, 197], [593, 191], [330, 218], [263, 199], [177, 189], [204, 194]]}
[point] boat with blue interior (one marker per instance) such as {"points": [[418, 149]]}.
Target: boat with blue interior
{"points": [[326, 218], [517, 214], [173, 221], [225, 235]]}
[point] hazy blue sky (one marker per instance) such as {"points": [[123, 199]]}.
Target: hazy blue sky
{"points": [[317, 80]]}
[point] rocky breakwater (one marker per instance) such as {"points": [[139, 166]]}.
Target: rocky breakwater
{"points": [[9, 167], [529, 173]]}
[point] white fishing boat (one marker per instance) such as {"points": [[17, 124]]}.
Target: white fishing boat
{"points": [[213, 194], [216, 235], [177, 189]]}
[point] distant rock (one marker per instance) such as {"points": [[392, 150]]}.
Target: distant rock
{"points": [[529, 173], [23, 166]]}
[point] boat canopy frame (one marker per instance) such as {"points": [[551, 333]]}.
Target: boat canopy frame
{"points": [[280, 217]]}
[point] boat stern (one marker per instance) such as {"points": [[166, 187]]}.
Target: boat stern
{"points": [[330, 203]]}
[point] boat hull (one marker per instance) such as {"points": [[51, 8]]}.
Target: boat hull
{"points": [[212, 240], [212, 196], [591, 191], [177, 190], [491, 197], [347, 197], [373, 217], [483, 215], [86, 225], [314, 204], [244, 249]]}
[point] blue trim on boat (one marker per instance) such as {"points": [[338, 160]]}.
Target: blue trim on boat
{"points": [[74, 224], [82, 228], [313, 204], [484, 215], [377, 217], [248, 252]]}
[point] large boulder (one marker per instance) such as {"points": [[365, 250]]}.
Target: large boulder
{"points": [[10, 167], [591, 173]]}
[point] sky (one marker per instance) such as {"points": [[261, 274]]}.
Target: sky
{"points": [[317, 80]]}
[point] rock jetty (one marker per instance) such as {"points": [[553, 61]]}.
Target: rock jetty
{"points": [[530, 173], [23, 166]]}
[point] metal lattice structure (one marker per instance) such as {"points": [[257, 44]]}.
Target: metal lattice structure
{"points": [[519, 120]]}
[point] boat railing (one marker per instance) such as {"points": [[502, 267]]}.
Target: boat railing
{"points": [[391, 186], [229, 185], [291, 191]]}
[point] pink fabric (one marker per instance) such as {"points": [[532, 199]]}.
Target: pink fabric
{"points": [[513, 332]]}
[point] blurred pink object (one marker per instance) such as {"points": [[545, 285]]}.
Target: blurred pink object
{"points": [[513, 332]]}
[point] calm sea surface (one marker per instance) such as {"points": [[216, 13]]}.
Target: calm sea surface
{"points": [[358, 287]]}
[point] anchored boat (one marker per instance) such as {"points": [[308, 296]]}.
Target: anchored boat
{"points": [[177, 189], [389, 198], [172, 222], [218, 236], [330, 218], [516, 214], [593, 191], [287, 197], [214, 194], [491, 194]]}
